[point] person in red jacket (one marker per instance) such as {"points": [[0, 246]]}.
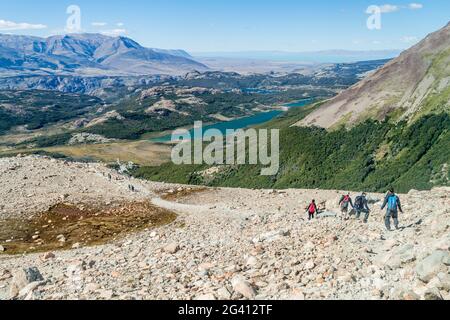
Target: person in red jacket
{"points": [[312, 210], [345, 202]]}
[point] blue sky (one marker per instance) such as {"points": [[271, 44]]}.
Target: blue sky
{"points": [[232, 25]]}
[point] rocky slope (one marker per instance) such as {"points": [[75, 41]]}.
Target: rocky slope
{"points": [[104, 87], [88, 55], [226, 243], [414, 84]]}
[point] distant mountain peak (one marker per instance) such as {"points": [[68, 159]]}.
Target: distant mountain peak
{"points": [[91, 54]]}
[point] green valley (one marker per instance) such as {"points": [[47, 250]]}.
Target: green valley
{"points": [[371, 156]]}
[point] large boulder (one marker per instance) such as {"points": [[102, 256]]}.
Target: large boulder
{"points": [[428, 268], [271, 236], [406, 253], [22, 278]]}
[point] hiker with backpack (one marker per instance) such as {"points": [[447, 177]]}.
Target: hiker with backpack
{"points": [[312, 210], [362, 206], [345, 201], [392, 201]]}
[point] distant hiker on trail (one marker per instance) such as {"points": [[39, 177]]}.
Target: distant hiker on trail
{"points": [[362, 206], [312, 209], [345, 202], [392, 201]]}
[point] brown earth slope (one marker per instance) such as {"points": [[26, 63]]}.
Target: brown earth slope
{"points": [[415, 83]]}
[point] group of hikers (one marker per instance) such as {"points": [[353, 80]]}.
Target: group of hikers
{"points": [[361, 206]]}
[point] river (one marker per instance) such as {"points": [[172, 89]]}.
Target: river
{"points": [[242, 123]]}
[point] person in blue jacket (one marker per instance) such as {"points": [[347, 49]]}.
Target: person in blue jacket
{"points": [[392, 202]]}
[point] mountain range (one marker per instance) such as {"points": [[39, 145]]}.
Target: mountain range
{"points": [[391, 129], [88, 55], [306, 57]]}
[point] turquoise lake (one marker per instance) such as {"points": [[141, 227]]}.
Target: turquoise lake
{"points": [[241, 123]]}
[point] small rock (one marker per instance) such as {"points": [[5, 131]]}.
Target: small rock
{"points": [[205, 267], [310, 265], [106, 294], [47, 256], [206, 297], [224, 294], [297, 295], [411, 296], [433, 294], [76, 268], [5, 274], [171, 248], [115, 274], [252, 261], [92, 287], [175, 270], [76, 246], [240, 285]]}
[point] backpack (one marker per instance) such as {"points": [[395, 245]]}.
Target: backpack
{"points": [[392, 202], [312, 208], [359, 202]]}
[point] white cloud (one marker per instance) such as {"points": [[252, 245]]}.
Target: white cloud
{"points": [[99, 24], [409, 39], [120, 24], [415, 6], [388, 8], [10, 26], [115, 32], [376, 42]]}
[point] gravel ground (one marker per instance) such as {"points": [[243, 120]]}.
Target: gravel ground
{"points": [[226, 243]]}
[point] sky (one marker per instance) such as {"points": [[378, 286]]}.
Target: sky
{"points": [[236, 25]]}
